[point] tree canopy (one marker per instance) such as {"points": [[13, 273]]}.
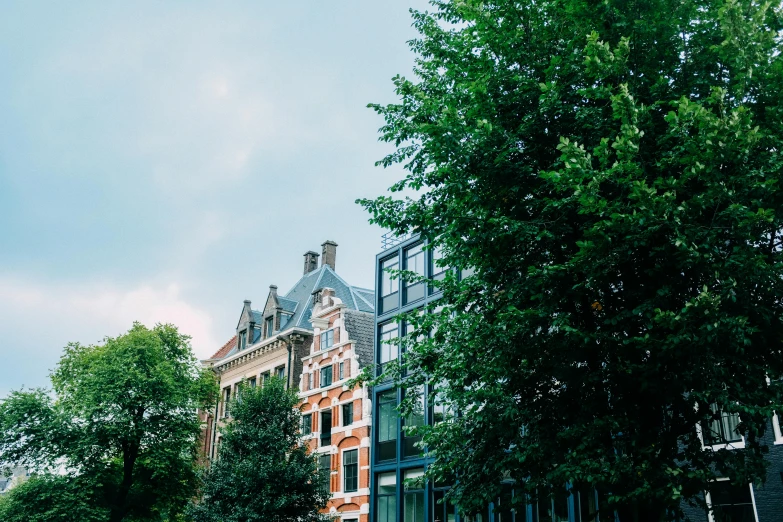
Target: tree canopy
{"points": [[610, 171], [119, 432], [263, 472]]}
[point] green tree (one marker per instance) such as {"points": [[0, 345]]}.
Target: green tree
{"points": [[52, 498], [120, 430], [263, 472], [610, 170]]}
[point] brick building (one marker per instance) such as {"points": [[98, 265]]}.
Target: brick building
{"points": [[284, 339]]}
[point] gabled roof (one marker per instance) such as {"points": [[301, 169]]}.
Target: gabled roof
{"points": [[298, 302], [324, 277], [225, 349]]}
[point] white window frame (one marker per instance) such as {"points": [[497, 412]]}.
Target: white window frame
{"points": [[358, 469], [708, 498], [715, 447], [776, 429]]}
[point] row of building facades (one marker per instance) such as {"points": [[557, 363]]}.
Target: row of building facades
{"points": [[323, 331]]}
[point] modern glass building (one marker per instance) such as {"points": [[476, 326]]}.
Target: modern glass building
{"points": [[395, 457]]}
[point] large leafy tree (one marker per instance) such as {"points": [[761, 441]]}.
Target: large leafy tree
{"points": [[263, 472], [119, 434], [611, 172]]}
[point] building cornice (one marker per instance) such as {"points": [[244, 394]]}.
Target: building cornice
{"points": [[274, 343]]}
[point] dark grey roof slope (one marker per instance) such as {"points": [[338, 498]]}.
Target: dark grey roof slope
{"points": [[289, 305], [324, 277], [360, 329]]}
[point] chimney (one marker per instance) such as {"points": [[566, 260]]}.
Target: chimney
{"points": [[329, 253], [310, 262]]}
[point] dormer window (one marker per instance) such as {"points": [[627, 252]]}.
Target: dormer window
{"points": [[242, 340], [270, 325], [283, 320]]}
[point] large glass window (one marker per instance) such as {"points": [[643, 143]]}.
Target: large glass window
{"points": [[438, 266], [242, 340], [280, 372], [414, 262], [350, 471], [442, 511], [326, 376], [325, 466], [390, 285], [389, 348], [413, 500], [732, 502], [307, 424], [722, 429], [442, 411], [387, 426], [414, 418], [386, 495]]}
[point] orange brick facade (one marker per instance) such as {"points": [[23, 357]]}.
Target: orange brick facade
{"points": [[347, 410]]}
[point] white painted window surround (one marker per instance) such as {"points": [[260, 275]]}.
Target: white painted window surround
{"points": [[708, 498]]}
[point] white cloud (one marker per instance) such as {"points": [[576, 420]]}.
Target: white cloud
{"points": [[59, 313]]}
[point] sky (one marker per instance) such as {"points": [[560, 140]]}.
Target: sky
{"points": [[164, 161]]}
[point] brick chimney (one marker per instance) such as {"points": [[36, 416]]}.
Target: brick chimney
{"points": [[310, 261], [329, 252]]}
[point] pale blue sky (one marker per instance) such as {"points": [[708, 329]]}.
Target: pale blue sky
{"points": [[163, 161]]}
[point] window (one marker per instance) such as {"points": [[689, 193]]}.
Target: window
{"points": [[387, 426], [350, 471], [388, 344], [731, 502], [776, 428], [265, 377], [280, 372], [327, 339], [722, 429], [226, 400], [326, 376], [307, 424], [414, 418], [586, 504], [242, 340], [342, 371], [502, 508], [442, 510], [326, 428], [325, 467], [309, 381], [441, 410], [386, 495], [270, 325], [350, 520], [414, 262], [390, 285], [413, 499], [251, 382], [437, 268], [348, 414]]}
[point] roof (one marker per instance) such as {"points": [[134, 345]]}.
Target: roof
{"points": [[360, 327], [298, 302], [225, 349], [324, 277]]}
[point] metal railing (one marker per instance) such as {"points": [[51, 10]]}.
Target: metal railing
{"points": [[390, 239]]}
